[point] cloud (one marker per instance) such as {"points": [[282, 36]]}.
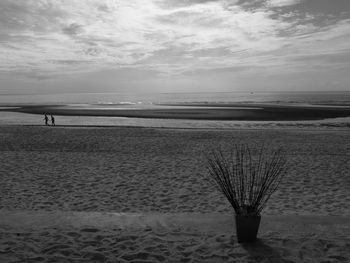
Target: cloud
{"points": [[73, 29], [170, 4], [168, 37], [280, 3]]}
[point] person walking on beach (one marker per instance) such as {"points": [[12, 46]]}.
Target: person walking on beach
{"points": [[46, 119], [52, 120]]}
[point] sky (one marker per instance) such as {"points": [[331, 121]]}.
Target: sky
{"points": [[88, 46]]}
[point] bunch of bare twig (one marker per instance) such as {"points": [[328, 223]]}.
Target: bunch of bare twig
{"points": [[247, 181]]}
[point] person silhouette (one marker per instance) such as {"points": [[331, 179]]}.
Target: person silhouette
{"points": [[52, 120], [46, 119]]}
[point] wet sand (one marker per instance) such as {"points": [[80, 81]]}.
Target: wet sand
{"points": [[194, 111]]}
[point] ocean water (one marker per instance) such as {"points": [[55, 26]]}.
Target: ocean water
{"points": [[342, 98]]}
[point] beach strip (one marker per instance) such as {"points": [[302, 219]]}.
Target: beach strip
{"points": [[249, 112]]}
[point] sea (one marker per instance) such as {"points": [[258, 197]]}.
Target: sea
{"points": [[331, 97]]}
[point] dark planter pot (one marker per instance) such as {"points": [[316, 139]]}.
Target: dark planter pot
{"points": [[247, 228]]}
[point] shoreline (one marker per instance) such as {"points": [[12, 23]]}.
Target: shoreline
{"points": [[16, 118], [219, 111]]}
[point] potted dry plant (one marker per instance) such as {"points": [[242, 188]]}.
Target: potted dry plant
{"points": [[247, 179]]}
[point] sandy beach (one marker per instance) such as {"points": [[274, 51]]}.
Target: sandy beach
{"points": [[190, 131], [147, 170], [159, 171]]}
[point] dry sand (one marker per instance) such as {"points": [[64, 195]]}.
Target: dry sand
{"points": [[161, 170], [97, 237], [148, 170]]}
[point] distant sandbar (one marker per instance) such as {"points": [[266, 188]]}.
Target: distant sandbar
{"points": [[195, 111]]}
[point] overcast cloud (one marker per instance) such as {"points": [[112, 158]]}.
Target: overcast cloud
{"points": [[108, 45]]}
